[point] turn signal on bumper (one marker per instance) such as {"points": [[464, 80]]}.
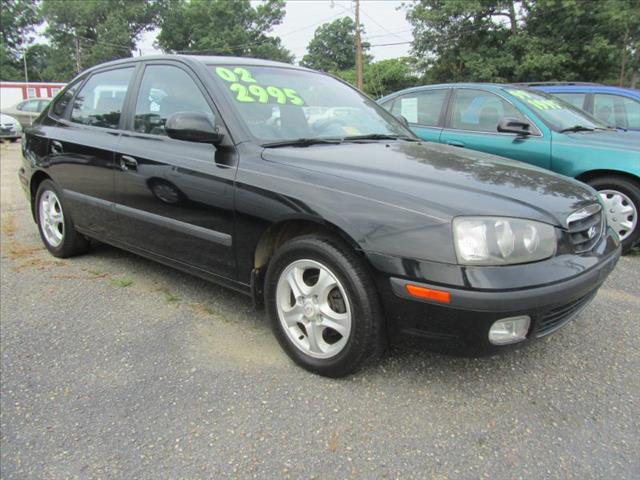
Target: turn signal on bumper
{"points": [[429, 293]]}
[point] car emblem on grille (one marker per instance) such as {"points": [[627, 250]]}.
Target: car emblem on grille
{"points": [[592, 232]]}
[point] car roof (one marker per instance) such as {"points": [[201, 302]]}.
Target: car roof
{"points": [[201, 59], [486, 85], [587, 88]]}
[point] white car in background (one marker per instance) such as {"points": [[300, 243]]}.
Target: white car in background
{"points": [[9, 128]]}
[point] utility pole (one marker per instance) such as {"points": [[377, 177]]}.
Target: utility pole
{"points": [[358, 48]]}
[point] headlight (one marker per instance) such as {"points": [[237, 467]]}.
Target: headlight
{"points": [[502, 241]]}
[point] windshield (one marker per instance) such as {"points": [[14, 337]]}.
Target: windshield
{"points": [[555, 112], [286, 104]]}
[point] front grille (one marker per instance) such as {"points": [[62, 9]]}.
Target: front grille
{"points": [[558, 317], [585, 227]]}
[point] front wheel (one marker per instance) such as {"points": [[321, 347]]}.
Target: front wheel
{"points": [[323, 306], [55, 224], [621, 198]]}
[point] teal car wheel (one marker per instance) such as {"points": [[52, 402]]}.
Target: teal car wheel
{"points": [[621, 198]]}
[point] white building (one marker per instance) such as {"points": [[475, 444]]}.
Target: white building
{"points": [[14, 92]]}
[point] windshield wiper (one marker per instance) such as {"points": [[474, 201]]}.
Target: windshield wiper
{"points": [[577, 128], [380, 136], [302, 142]]}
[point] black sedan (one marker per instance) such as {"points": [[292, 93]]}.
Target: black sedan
{"points": [[297, 190]]}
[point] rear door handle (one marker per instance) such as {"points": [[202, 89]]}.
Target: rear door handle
{"points": [[455, 143], [128, 163], [56, 147]]}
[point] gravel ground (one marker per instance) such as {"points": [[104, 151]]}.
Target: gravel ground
{"points": [[116, 367]]}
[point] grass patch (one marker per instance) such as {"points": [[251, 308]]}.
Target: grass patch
{"points": [[168, 296], [204, 309], [121, 282]]}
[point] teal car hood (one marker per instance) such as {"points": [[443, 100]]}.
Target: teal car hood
{"points": [[576, 153], [605, 139]]}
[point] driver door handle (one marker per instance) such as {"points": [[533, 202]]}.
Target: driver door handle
{"points": [[56, 147], [455, 143], [128, 163]]}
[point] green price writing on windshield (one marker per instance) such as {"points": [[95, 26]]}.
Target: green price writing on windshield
{"points": [[252, 92], [539, 103]]}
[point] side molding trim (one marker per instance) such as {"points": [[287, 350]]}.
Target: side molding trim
{"points": [[166, 222]]}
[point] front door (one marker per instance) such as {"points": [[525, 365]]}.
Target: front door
{"points": [[174, 198], [473, 123]]}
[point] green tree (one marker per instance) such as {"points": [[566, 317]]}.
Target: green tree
{"points": [[526, 40], [384, 77], [18, 19], [220, 27], [332, 47], [463, 40], [92, 32]]}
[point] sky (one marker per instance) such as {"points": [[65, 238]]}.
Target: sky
{"points": [[382, 20]]}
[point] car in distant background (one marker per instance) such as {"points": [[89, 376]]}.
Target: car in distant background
{"points": [[533, 127], [615, 106], [9, 128], [27, 110]]}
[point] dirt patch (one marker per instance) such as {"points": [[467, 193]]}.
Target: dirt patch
{"points": [[37, 264], [9, 227]]}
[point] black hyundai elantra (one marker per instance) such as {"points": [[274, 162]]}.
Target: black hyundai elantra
{"points": [[297, 190]]}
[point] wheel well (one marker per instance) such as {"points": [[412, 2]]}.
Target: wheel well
{"points": [[36, 180], [280, 233], [590, 175]]}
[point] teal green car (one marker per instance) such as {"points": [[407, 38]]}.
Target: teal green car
{"points": [[533, 127]]}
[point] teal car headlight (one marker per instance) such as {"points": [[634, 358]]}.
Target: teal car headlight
{"points": [[502, 241]]}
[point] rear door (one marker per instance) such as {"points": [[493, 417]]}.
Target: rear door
{"points": [[424, 110], [617, 110], [174, 198], [472, 123], [82, 144]]}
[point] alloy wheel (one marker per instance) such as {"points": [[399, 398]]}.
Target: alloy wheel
{"points": [[51, 218], [313, 308]]}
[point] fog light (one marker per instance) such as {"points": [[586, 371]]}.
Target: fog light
{"points": [[509, 330]]}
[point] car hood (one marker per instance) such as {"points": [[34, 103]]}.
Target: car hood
{"points": [[612, 139], [438, 180]]}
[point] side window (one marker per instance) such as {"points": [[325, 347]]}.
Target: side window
{"points": [[61, 102], [422, 108], [480, 111], [166, 90], [99, 102], [30, 106], [616, 110], [575, 99]]}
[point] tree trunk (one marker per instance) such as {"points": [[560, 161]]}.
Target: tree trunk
{"points": [[623, 62], [636, 67], [512, 17]]}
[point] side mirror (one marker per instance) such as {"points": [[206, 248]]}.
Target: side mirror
{"points": [[403, 120], [513, 125], [193, 127]]}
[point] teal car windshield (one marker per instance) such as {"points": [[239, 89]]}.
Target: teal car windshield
{"points": [[286, 104], [556, 113]]}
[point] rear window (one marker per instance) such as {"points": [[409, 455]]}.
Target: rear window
{"points": [[99, 102]]}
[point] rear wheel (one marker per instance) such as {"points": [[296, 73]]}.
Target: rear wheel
{"points": [[323, 306], [621, 197], [55, 224]]}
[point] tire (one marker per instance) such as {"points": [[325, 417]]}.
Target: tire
{"points": [[622, 195], [55, 224], [348, 301]]}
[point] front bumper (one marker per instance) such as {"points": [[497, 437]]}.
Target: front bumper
{"points": [[465, 321]]}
